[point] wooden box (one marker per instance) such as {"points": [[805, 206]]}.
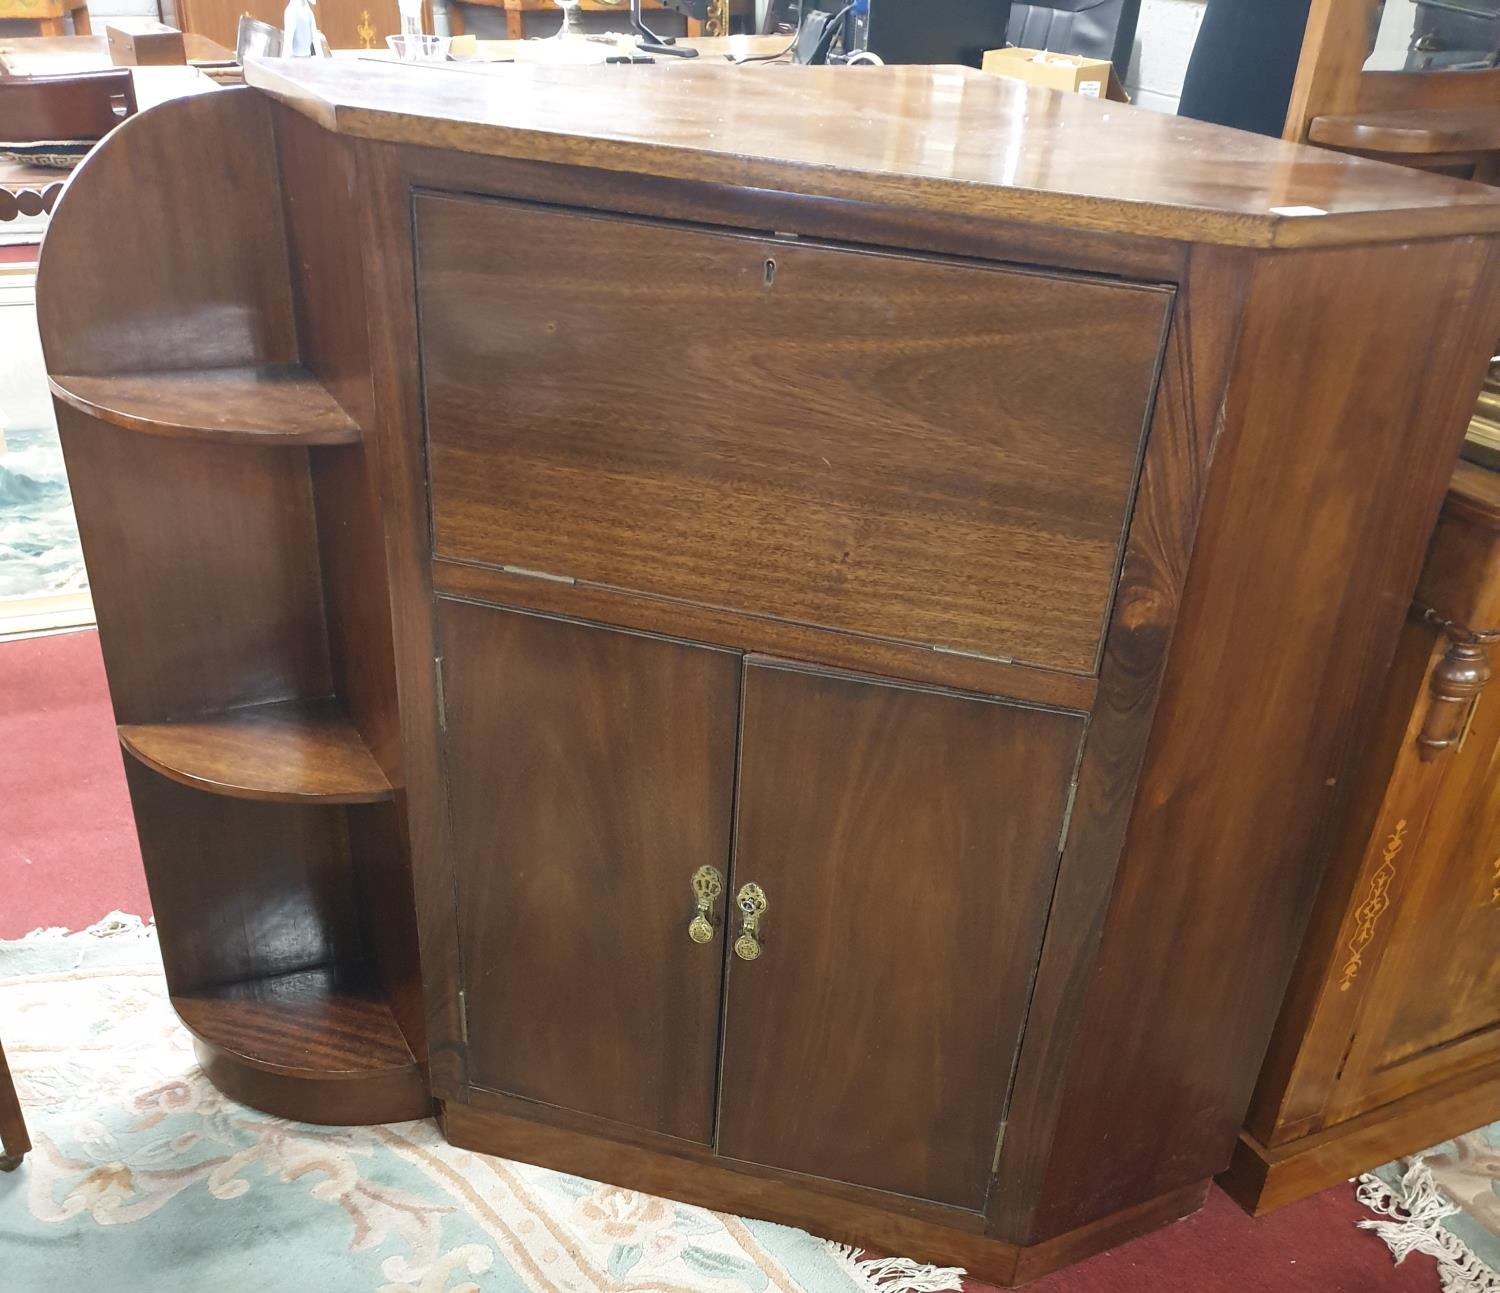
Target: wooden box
{"points": [[139, 42]]}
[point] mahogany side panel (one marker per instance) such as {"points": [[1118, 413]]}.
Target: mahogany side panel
{"points": [[1289, 621], [330, 306], [382, 218], [1186, 422], [216, 298], [278, 897], [203, 565]]}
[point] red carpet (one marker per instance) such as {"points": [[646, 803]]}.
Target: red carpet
{"points": [[68, 853], [69, 856]]}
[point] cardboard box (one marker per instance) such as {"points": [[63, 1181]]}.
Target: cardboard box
{"points": [[1094, 78], [143, 42]]}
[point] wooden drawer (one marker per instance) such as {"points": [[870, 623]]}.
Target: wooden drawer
{"points": [[942, 406]]}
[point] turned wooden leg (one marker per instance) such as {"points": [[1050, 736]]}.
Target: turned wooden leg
{"points": [[13, 1137], [455, 19], [51, 27], [81, 24]]}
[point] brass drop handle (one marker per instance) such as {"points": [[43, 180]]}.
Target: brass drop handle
{"points": [[752, 903], [708, 884]]}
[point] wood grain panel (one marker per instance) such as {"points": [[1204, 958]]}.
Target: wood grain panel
{"points": [[1298, 591], [590, 776], [204, 572], [214, 297], [1185, 427], [290, 905], [940, 409], [931, 140], [906, 841], [381, 211], [319, 201], [317, 1023], [772, 637]]}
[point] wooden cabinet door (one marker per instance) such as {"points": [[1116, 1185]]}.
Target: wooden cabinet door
{"points": [[960, 408], [906, 841], [1431, 1003], [590, 775]]}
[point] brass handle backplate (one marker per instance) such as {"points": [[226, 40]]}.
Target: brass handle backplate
{"points": [[752, 903], [708, 884]]}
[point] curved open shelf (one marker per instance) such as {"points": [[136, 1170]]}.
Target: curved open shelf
{"points": [[293, 751], [316, 1045], [266, 404]]}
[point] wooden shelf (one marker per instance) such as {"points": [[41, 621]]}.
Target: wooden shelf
{"points": [[289, 752], [318, 1045], [271, 404], [318, 1023], [1411, 130]]}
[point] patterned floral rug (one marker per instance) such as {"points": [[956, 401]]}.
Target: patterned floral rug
{"points": [[1445, 1203], [144, 1177]]}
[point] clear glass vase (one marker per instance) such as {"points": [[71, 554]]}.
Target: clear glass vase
{"points": [[572, 23]]}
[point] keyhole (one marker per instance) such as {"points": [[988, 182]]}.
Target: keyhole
{"points": [[770, 271]]}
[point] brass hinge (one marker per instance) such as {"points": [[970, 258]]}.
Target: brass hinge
{"points": [[999, 1145], [1062, 836], [442, 696], [463, 1016]]}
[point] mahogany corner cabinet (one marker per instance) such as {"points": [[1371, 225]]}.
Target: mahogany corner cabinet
{"points": [[784, 637]]}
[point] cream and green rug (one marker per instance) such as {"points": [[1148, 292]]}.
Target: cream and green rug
{"points": [[1444, 1202], [144, 1177]]}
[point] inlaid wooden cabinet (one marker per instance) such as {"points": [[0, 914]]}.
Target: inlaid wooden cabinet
{"points": [[1389, 1041], [863, 632]]}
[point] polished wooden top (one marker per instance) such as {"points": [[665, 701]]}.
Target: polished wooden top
{"points": [[925, 138]]}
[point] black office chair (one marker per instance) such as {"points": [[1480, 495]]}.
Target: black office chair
{"points": [[1092, 28]]}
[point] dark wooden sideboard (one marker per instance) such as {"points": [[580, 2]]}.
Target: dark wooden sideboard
{"points": [[803, 671]]}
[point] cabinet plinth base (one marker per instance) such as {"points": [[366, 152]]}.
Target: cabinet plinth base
{"points": [[782, 1198], [1262, 1178], [316, 1046], [348, 1100]]}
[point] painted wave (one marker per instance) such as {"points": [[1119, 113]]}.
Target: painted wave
{"points": [[39, 549]]}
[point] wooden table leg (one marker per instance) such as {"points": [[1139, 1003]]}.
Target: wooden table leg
{"points": [[455, 19], [515, 21], [13, 1138], [51, 27], [81, 24]]}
